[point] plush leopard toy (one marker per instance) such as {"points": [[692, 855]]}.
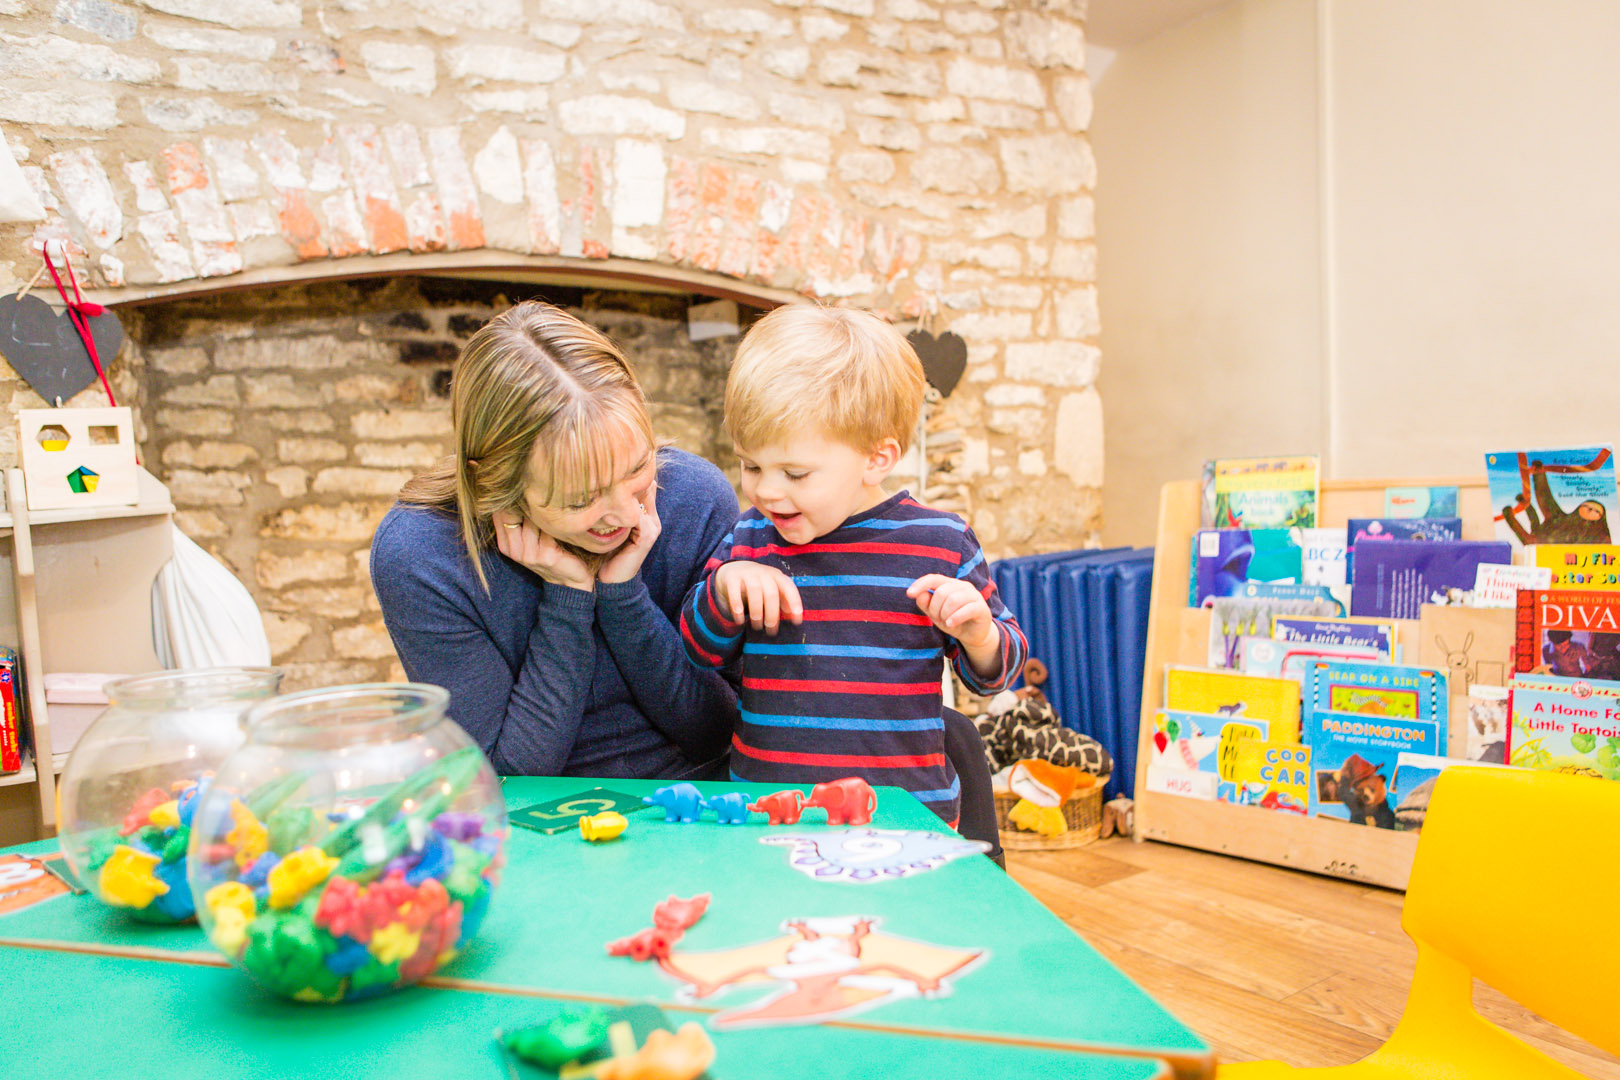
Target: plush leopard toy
{"points": [[1023, 724]]}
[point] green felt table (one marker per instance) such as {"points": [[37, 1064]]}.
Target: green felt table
{"points": [[88, 991]]}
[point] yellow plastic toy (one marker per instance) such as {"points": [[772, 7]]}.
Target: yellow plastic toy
{"points": [[298, 873], [664, 1056], [604, 826], [127, 879], [1541, 846], [1046, 820]]}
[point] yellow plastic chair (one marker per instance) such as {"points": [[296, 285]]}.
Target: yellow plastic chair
{"points": [[1517, 882]]}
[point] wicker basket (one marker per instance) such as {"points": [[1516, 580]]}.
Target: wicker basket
{"points": [[1082, 810]]}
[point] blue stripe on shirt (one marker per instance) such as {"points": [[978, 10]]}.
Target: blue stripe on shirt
{"points": [[876, 652], [942, 794], [978, 557], [845, 723], [807, 582]]}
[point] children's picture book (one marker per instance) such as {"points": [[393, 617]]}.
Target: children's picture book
{"points": [[1566, 632], [1273, 659], [1354, 758], [1232, 695], [1233, 618], [1234, 761], [1228, 559], [1372, 634], [1565, 725], [1394, 579], [1498, 586], [1421, 502], [1322, 557], [10, 720], [1260, 493], [1396, 691], [1366, 530], [1472, 645], [1413, 783], [1577, 566], [1553, 496], [1485, 737]]}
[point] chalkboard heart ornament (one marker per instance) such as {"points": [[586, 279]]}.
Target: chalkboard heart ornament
{"points": [[49, 349], [944, 358]]}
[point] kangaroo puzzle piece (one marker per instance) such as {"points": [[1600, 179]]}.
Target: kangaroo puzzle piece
{"points": [[849, 801], [681, 802], [783, 807], [730, 808]]}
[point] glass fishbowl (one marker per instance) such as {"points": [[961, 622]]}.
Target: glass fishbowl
{"points": [[127, 796], [351, 845]]}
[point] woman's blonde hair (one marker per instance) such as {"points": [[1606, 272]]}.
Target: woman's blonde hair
{"points": [[533, 376], [848, 373]]}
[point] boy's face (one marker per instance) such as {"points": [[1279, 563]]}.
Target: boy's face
{"points": [[808, 484]]}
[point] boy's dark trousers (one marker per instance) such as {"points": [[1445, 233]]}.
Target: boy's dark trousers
{"points": [[966, 751]]}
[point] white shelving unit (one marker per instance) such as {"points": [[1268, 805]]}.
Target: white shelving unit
{"points": [[80, 586]]}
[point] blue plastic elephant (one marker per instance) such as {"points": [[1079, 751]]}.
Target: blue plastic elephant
{"points": [[730, 808], [681, 802]]}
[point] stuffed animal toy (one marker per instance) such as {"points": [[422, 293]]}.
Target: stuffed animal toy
{"points": [[1022, 723]]}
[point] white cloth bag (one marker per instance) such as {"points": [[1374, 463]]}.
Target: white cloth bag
{"points": [[202, 616]]}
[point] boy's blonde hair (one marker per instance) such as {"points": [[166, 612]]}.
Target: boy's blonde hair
{"points": [[847, 373], [533, 376]]}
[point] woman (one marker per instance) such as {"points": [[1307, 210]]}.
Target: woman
{"points": [[529, 573]]}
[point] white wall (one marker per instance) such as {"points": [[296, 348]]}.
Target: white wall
{"points": [[1207, 251], [1463, 253]]}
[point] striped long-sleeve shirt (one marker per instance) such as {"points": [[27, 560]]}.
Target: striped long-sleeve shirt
{"points": [[855, 689]]}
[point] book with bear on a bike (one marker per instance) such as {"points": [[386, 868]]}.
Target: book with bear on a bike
{"points": [[1563, 496]]}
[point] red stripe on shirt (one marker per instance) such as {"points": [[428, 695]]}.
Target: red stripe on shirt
{"points": [[706, 655], [841, 761], [952, 557], [904, 618], [826, 686]]}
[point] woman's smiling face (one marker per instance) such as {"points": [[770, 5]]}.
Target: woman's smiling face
{"points": [[598, 520]]}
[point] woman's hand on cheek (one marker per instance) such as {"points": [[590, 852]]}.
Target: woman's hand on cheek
{"points": [[626, 562], [520, 541]]}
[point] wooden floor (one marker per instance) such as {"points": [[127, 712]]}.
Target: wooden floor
{"points": [[1262, 962]]}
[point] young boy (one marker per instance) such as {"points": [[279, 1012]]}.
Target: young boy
{"points": [[840, 600]]}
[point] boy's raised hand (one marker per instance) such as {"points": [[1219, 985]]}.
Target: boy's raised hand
{"points": [[758, 594], [956, 608]]}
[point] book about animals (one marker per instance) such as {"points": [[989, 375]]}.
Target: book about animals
{"points": [[1572, 633], [1396, 691], [1562, 496], [1565, 725], [1232, 695], [1354, 758], [1307, 630], [1260, 493], [1577, 566], [1272, 659], [1371, 530], [1439, 501], [1232, 618], [1394, 579], [1227, 559]]}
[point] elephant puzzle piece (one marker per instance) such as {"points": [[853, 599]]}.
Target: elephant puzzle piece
{"points": [[681, 802], [782, 807], [849, 801], [731, 808]]}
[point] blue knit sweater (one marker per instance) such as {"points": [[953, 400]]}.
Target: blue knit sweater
{"points": [[553, 681]]}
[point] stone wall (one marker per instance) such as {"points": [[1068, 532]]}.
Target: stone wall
{"points": [[923, 158], [284, 422]]}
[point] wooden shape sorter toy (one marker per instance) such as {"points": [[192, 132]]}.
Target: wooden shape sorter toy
{"points": [[77, 457]]}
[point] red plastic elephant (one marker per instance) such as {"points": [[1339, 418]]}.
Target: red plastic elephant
{"points": [[783, 807], [849, 801]]}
